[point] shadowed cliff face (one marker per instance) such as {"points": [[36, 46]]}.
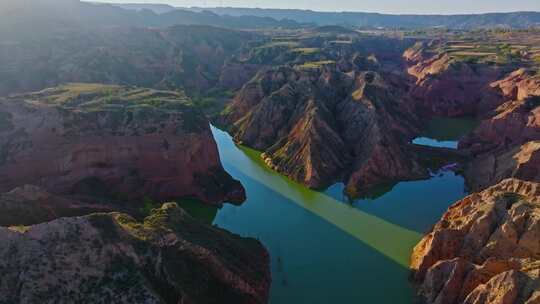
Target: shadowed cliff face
{"points": [[506, 143], [168, 258], [516, 120], [315, 123], [485, 249], [116, 141]]}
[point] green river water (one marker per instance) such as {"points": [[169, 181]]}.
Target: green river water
{"points": [[323, 247]]}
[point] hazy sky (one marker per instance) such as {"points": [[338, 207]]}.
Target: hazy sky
{"points": [[382, 6]]}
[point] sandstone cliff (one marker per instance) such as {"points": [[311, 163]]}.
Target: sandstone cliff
{"points": [[514, 122], [485, 249], [322, 122], [506, 143], [447, 87], [521, 161], [106, 258], [124, 142]]}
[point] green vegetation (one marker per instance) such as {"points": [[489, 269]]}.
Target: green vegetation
{"points": [[19, 228], [114, 107], [307, 51], [493, 47], [315, 64], [97, 97], [198, 209], [212, 101], [287, 44]]}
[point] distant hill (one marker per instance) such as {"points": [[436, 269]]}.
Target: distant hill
{"points": [[36, 19], [156, 8], [188, 57], [493, 20]]}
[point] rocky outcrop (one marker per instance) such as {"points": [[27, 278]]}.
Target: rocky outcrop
{"points": [[519, 85], [522, 161], [111, 141], [516, 121], [112, 258], [507, 143], [485, 249], [315, 122], [447, 87]]}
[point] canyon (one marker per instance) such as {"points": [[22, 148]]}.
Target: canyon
{"points": [[116, 183], [74, 154], [334, 113], [316, 120], [485, 247]]}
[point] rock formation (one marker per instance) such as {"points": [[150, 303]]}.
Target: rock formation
{"points": [[316, 122], [448, 87], [112, 258], [514, 122], [521, 161], [485, 249], [506, 144], [111, 141]]}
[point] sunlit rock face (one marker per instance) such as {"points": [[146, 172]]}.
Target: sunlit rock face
{"points": [[485, 249], [112, 141], [445, 86], [319, 124], [516, 121], [506, 144], [110, 257]]}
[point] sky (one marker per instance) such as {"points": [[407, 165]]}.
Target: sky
{"points": [[381, 6]]}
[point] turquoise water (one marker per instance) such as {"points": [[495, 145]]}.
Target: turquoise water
{"points": [[325, 248], [425, 141]]}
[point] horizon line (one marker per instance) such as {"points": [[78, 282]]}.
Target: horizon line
{"points": [[317, 11]]}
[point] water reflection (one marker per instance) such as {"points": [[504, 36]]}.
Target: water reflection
{"points": [[322, 249], [444, 132]]}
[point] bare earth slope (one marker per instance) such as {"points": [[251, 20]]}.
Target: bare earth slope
{"points": [[112, 258]]}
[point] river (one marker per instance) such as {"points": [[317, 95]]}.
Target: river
{"points": [[325, 248]]}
